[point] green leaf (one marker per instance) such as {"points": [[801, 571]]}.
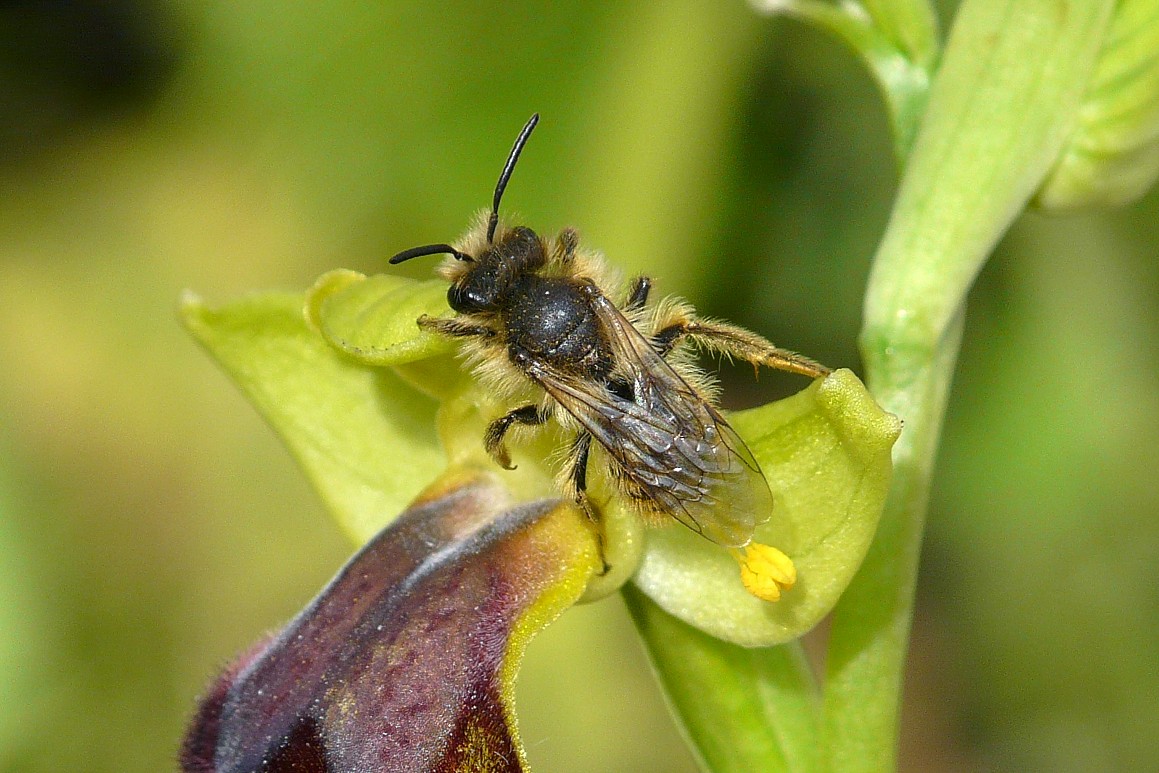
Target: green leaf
{"points": [[744, 709], [826, 455], [375, 320], [1112, 157], [364, 437], [406, 661]]}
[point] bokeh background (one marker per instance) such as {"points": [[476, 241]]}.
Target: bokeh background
{"points": [[151, 526]]}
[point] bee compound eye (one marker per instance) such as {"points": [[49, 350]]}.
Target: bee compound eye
{"points": [[466, 299], [455, 298]]}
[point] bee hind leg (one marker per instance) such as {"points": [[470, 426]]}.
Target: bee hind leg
{"points": [[733, 341], [528, 415]]}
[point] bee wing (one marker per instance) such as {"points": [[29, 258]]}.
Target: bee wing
{"points": [[675, 447]]}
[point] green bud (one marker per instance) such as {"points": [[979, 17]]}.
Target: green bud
{"points": [[1112, 156]]}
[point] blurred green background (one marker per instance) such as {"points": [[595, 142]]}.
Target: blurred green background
{"points": [[151, 526]]}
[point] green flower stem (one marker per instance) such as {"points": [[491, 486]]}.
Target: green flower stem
{"points": [[1000, 109], [868, 642]]}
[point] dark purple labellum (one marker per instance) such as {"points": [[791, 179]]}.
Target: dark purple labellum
{"points": [[398, 665]]}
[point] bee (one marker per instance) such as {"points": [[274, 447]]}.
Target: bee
{"points": [[539, 312]]}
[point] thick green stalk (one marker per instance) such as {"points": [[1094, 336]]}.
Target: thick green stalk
{"points": [[870, 633], [1001, 107]]}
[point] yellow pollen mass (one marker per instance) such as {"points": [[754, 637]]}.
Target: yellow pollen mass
{"points": [[765, 571]]}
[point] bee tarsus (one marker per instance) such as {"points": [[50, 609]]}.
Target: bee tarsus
{"points": [[529, 415]]}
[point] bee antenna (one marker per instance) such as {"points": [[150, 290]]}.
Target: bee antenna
{"points": [[508, 168], [430, 249]]}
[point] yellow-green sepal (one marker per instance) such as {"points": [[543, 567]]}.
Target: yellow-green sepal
{"points": [[365, 438]]}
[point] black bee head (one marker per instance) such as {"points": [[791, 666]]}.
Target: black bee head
{"points": [[485, 286], [486, 283]]}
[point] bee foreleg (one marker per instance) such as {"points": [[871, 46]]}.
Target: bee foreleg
{"points": [[638, 295], [733, 341], [455, 327], [530, 415]]}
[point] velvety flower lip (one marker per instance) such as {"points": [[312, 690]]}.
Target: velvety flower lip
{"points": [[406, 660]]}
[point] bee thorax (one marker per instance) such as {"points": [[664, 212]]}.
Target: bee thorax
{"points": [[550, 320]]}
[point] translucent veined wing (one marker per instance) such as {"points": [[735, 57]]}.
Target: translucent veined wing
{"points": [[679, 453]]}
